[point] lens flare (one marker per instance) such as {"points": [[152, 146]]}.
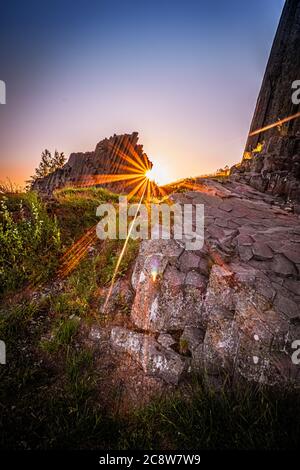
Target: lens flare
{"points": [[154, 274], [141, 181], [122, 253], [275, 124]]}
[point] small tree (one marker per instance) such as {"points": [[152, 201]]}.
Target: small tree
{"points": [[58, 160], [48, 164]]}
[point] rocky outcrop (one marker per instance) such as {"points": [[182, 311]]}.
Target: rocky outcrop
{"points": [[275, 169], [272, 157], [155, 359], [234, 305], [120, 154], [283, 68]]}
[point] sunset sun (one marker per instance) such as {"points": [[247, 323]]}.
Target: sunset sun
{"points": [[158, 174], [149, 174]]}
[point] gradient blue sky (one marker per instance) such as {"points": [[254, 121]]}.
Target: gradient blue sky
{"points": [[184, 74]]}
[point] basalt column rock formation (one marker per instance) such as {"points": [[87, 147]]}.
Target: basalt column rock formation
{"points": [[120, 154], [272, 157], [233, 305]]}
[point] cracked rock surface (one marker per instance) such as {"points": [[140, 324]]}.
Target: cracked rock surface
{"points": [[233, 305]]}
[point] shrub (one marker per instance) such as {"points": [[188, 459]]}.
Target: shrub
{"points": [[29, 241]]}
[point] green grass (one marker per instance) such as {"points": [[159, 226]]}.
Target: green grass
{"points": [[93, 193], [80, 296], [49, 399], [14, 320], [108, 259], [62, 335], [83, 282], [76, 209], [33, 236], [67, 304], [247, 417], [50, 387], [29, 242]]}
